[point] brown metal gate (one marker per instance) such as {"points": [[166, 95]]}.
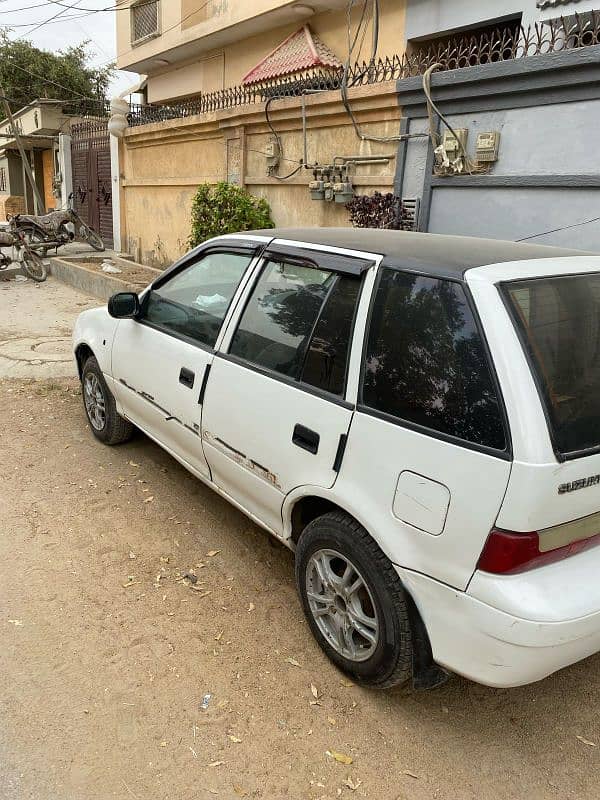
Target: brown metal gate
{"points": [[92, 186]]}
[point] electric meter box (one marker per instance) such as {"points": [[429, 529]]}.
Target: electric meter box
{"points": [[452, 143], [488, 145]]}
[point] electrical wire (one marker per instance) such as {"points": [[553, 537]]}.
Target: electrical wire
{"points": [[162, 33], [59, 86], [55, 16], [557, 230], [472, 167], [85, 11], [345, 74], [279, 142]]}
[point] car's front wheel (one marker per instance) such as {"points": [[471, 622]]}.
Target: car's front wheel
{"points": [[354, 601], [100, 408]]}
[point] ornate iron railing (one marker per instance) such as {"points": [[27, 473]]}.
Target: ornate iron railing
{"points": [[460, 52]]}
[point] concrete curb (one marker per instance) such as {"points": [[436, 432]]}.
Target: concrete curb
{"points": [[98, 284]]}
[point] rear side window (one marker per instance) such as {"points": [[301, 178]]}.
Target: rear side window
{"points": [[298, 323], [559, 322], [425, 362]]}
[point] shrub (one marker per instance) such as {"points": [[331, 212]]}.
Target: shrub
{"points": [[226, 208], [375, 211]]}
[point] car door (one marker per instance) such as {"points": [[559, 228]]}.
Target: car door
{"points": [[429, 455], [160, 359], [274, 414]]}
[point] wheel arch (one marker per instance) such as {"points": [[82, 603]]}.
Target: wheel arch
{"points": [[303, 508], [82, 352]]}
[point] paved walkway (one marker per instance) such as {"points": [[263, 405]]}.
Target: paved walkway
{"points": [[36, 322]]}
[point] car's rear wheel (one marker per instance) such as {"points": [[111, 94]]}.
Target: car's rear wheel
{"points": [[354, 601], [100, 408]]}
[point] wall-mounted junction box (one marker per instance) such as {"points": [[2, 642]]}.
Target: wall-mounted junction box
{"points": [[452, 143], [488, 145], [272, 153]]}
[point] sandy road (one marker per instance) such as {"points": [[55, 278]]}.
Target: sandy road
{"points": [[105, 656]]}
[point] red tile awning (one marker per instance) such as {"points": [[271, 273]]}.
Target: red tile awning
{"points": [[299, 52]]}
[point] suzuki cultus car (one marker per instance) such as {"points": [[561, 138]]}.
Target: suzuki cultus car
{"points": [[416, 416]]}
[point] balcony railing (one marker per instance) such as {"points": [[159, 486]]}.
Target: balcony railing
{"points": [[460, 52]]}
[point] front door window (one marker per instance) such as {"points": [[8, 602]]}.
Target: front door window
{"points": [[194, 302]]}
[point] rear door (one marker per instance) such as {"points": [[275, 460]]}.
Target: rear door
{"points": [[274, 415]]}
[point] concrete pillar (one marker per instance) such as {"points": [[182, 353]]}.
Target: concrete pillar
{"points": [[116, 193], [66, 170]]}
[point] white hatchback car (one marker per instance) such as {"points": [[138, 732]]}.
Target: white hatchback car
{"points": [[417, 416]]}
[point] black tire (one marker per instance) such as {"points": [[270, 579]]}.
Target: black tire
{"points": [[34, 239], [92, 238], [114, 428], [390, 663], [34, 265]]}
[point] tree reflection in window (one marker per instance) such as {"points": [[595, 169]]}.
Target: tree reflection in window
{"points": [[426, 363]]}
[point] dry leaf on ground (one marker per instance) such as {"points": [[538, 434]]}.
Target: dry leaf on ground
{"points": [[341, 758], [350, 784], [293, 662], [587, 741]]}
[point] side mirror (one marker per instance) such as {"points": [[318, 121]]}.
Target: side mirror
{"points": [[124, 305]]}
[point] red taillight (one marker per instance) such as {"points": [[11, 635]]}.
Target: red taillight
{"points": [[506, 552]]}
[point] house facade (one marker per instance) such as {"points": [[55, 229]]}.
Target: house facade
{"points": [[39, 124], [285, 97]]}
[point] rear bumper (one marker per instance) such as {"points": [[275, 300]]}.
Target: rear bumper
{"points": [[493, 647]]}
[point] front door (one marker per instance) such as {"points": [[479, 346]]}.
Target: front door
{"points": [[160, 360], [274, 414]]}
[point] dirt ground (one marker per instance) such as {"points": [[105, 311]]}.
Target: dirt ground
{"points": [[106, 656]]}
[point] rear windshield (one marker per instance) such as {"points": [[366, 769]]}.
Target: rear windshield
{"points": [[559, 321]]}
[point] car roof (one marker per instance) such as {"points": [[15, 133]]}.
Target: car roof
{"points": [[428, 253]]}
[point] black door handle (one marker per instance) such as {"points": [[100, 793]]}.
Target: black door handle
{"points": [[186, 377], [306, 439]]}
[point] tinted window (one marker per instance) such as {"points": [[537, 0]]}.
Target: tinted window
{"points": [[560, 322], [278, 321], [327, 357], [425, 361], [194, 302]]}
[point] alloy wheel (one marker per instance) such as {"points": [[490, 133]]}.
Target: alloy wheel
{"points": [[95, 402], [342, 605]]}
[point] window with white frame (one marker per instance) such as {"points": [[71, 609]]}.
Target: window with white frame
{"points": [[144, 20]]}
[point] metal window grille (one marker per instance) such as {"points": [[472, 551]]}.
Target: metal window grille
{"points": [[144, 20], [2, 179]]}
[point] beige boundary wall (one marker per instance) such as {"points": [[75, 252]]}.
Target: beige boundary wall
{"points": [[163, 163]]}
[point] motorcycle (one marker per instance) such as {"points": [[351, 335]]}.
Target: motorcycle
{"points": [[55, 229], [21, 253]]}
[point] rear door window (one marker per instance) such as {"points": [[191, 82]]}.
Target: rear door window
{"points": [[425, 362], [558, 319], [298, 323]]}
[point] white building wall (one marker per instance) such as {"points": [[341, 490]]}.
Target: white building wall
{"points": [[426, 18]]}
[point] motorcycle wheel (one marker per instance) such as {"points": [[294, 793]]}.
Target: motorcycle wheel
{"points": [[34, 239], [34, 265], [92, 238]]}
